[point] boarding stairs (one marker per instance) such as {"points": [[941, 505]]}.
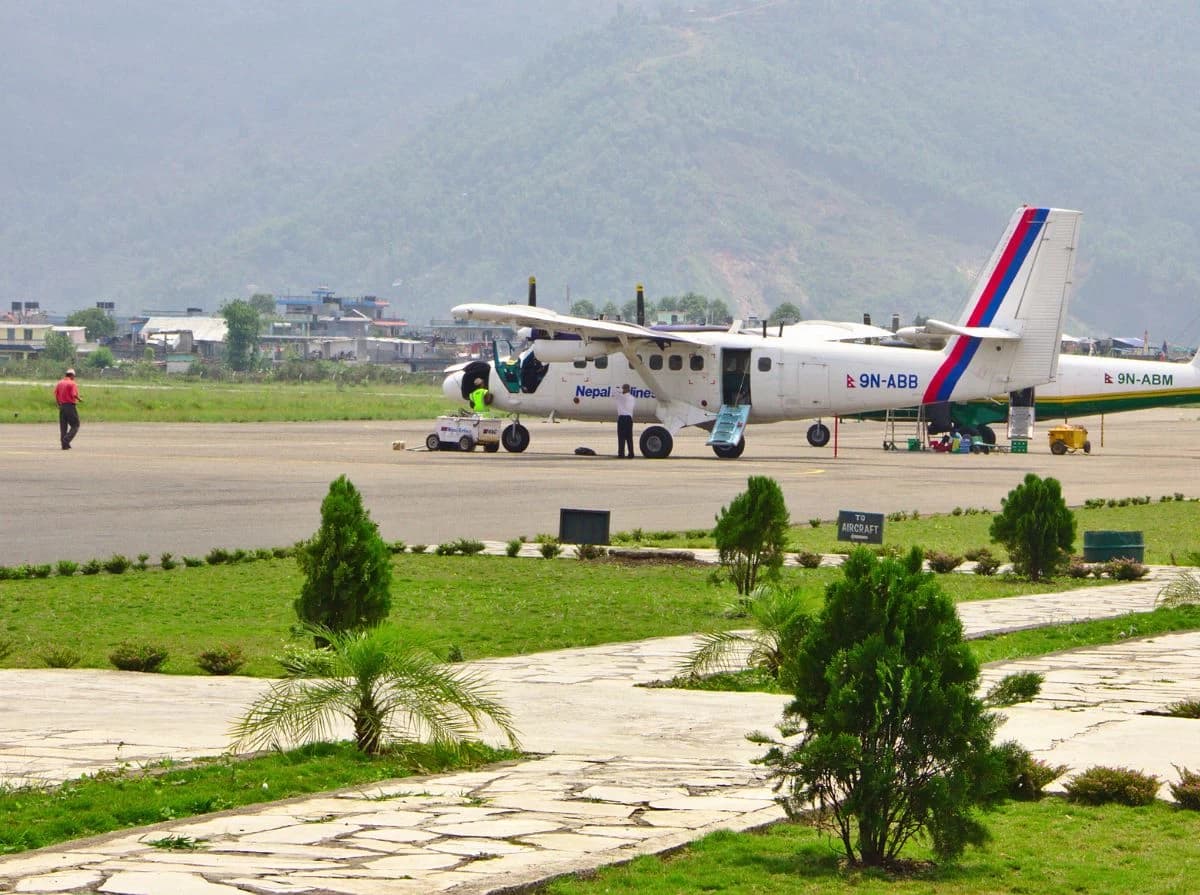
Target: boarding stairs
{"points": [[729, 425]]}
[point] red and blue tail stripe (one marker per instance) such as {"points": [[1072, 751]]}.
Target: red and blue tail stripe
{"points": [[1022, 240]]}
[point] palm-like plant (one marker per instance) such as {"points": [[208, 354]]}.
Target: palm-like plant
{"points": [[390, 690], [776, 613]]}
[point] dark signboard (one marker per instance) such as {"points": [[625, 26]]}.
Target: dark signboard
{"points": [[862, 528]]}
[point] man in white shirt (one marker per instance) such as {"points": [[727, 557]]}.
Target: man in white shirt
{"points": [[625, 422]]}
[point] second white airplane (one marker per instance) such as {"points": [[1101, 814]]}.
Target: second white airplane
{"points": [[720, 381]]}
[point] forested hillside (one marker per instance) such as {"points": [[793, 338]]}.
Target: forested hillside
{"points": [[843, 156]]}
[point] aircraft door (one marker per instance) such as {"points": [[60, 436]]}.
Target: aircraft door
{"points": [[735, 376]]}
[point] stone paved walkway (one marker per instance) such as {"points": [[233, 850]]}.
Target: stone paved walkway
{"points": [[624, 770]]}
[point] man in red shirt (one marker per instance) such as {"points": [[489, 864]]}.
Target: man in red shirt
{"points": [[66, 393]]}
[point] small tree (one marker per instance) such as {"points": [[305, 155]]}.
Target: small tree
{"points": [[1036, 528], [241, 336], [895, 742], [97, 323], [347, 566], [100, 358], [751, 533], [59, 348]]}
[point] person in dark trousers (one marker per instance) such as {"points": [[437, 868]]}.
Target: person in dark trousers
{"points": [[625, 422], [66, 393]]}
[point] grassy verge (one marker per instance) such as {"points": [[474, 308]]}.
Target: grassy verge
{"points": [[1168, 529], [197, 402], [116, 800], [483, 605], [1050, 847]]}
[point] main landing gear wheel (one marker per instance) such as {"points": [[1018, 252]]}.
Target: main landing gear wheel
{"points": [[986, 433], [656, 443], [818, 435], [515, 438], [432, 442], [730, 451]]}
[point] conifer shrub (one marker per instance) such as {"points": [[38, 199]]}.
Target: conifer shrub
{"points": [[131, 656], [1186, 792], [346, 564], [1124, 569], [141, 565], [1014, 688], [550, 549], [1028, 777], [41, 570], [60, 657], [91, 567], [117, 564], [942, 562], [894, 742], [589, 551], [1036, 527], [192, 562], [66, 568], [1100, 785], [166, 561], [513, 547], [218, 556], [223, 660], [808, 560], [986, 563], [751, 534]]}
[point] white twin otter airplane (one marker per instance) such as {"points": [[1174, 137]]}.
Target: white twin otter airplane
{"points": [[1007, 339]]}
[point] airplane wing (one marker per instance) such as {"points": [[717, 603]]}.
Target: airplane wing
{"points": [[833, 331], [554, 322]]}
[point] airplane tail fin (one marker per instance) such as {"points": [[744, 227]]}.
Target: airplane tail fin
{"points": [[1010, 334]]}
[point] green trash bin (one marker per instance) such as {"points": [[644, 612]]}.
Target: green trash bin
{"points": [[1101, 546]]}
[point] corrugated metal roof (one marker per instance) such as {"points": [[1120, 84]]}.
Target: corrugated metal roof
{"points": [[203, 329]]}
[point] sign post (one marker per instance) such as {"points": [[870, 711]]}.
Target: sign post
{"points": [[861, 528]]}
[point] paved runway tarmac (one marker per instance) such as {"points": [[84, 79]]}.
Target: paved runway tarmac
{"points": [[185, 488]]}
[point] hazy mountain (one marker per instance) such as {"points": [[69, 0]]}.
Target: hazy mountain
{"points": [[843, 156]]}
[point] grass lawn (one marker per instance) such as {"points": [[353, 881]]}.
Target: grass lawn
{"points": [[1169, 530], [227, 402], [484, 605], [1049, 847]]}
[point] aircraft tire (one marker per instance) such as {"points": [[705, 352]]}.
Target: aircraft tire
{"points": [[515, 438], [433, 443], [726, 452], [656, 443], [987, 434], [818, 435]]}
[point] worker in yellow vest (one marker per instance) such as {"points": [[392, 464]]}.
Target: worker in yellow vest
{"points": [[480, 398]]}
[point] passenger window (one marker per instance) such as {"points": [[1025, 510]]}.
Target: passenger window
{"points": [[602, 362], [697, 362], [656, 362], [674, 362], [764, 364], [580, 364]]}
